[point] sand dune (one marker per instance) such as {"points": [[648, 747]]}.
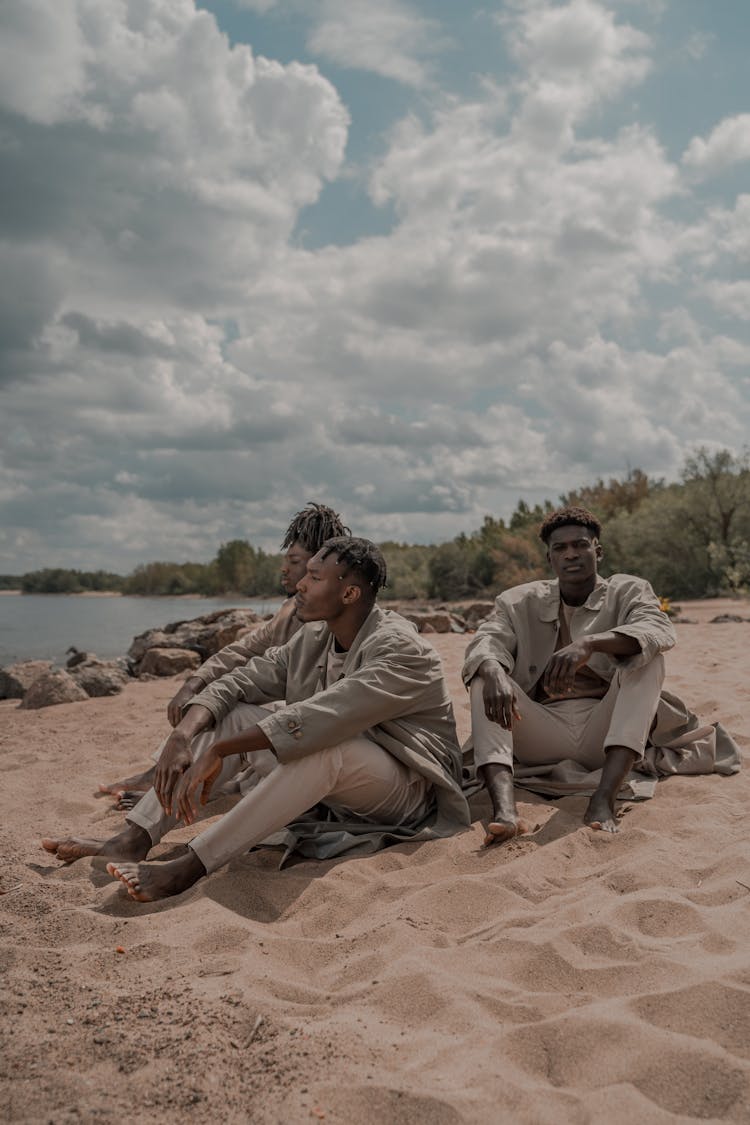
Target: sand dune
{"points": [[565, 977]]}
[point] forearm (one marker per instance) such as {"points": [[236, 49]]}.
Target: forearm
{"points": [[613, 643], [195, 720], [246, 742]]}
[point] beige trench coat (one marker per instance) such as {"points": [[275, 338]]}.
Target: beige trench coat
{"points": [[281, 628], [521, 633], [391, 690]]}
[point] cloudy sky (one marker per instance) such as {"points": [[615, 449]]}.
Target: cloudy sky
{"points": [[416, 259]]}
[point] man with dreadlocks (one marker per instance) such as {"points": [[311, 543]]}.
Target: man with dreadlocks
{"points": [[306, 534], [566, 681], [367, 732]]}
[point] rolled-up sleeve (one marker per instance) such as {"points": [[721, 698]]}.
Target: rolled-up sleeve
{"points": [[642, 618]]}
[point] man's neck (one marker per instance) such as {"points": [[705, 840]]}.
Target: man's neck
{"points": [[347, 625], [577, 595]]}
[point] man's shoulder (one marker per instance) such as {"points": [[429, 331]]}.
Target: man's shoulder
{"points": [[392, 627], [542, 590], [625, 583]]}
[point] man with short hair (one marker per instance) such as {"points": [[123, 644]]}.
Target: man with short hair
{"points": [[367, 730], [566, 681], [307, 532]]}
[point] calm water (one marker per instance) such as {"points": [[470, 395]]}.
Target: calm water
{"points": [[43, 626]]}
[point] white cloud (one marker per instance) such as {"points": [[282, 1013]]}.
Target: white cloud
{"points": [[727, 144], [732, 298], [389, 38], [181, 373], [574, 56]]}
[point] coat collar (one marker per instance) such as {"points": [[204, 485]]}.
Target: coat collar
{"points": [[550, 609]]}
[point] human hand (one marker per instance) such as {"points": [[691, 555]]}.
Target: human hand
{"points": [[560, 673], [201, 775], [499, 695], [183, 696], [175, 758]]}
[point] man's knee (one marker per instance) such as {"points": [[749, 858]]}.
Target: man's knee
{"points": [[640, 676]]}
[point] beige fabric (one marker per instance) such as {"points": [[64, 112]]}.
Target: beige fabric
{"points": [[356, 778], [392, 695], [578, 730], [521, 634], [392, 689], [283, 625]]}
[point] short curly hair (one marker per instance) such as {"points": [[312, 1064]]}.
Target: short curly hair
{"points": [[361, 557], [563, 517]]}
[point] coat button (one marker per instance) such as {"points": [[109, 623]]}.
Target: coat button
{"points": [[298, 734], [291, 725]]}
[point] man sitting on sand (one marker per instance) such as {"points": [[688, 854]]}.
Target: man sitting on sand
{"points": [[306, 534], [367, 729], [566, 681]]}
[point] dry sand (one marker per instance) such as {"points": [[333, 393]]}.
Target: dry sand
{"points": [[566, 977]]}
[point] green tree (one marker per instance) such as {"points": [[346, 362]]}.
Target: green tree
{"points": [[236, 565]]}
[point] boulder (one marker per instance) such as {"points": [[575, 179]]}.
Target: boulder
{"points": [[51, 688], [727, 619], [77, 657], [168, 661], [204, 635], [100, 677], [439, 621], [152, 638], [477, 612], [16, 679]]}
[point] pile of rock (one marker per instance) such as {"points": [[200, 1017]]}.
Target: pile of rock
{"points": [[445, 619], [37, 683], [178, 647], [184, 645]]}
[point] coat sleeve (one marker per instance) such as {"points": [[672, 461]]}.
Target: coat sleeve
{"points": [[268, 635], [262, 680], [495, 639], [640, 616], [393, 680]]}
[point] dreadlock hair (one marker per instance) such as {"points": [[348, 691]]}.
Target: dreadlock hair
{"points": [[361, 558], [563, 517], [313, 526]]}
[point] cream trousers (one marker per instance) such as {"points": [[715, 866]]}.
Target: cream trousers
{"points": [[356, 777], [577, 729]]}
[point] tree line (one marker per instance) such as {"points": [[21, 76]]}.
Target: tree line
{"points": [[689, 538]]}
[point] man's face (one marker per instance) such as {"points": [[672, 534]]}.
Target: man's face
{"points": [[293, 566], [323, 591], [573, 553]]}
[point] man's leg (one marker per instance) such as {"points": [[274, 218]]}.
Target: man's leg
{"points": [[357, 775], [620, 724], [147, 822], [537, 738]]}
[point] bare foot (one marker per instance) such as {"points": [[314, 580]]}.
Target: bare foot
{"points": [[139, 782], [127, 799], [132, 843], [600, 815], [149, 882], [498, 831]]}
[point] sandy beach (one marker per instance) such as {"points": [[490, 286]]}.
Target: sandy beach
{"points": [[565, 977]]}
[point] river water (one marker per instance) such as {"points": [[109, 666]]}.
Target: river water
{"points": [[43, 626]]}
